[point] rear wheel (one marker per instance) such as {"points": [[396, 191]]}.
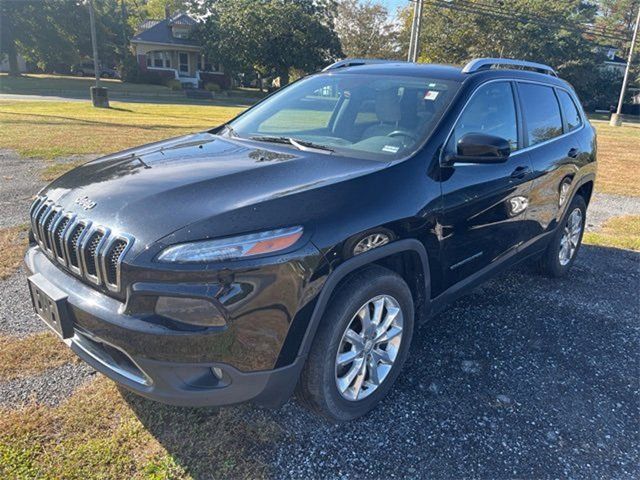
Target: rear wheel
{"points": [[360, 346], [563, 249]]}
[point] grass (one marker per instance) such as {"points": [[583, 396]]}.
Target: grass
{"points": [[100, 433], [13, 243], [618, 159], [56, 129], [44, 84], [619, 232], [31, 355], [50, 130]]}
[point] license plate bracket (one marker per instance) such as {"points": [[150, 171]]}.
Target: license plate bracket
{"points": [[50, 303]]}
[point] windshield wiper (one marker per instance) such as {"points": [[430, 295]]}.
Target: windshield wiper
{"points": [[232, 132], [303, 145]]}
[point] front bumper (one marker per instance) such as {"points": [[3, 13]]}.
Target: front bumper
{"points": [[160, 362]]}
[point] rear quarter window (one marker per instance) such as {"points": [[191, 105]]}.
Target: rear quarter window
{"points": [[571, 112], [541, 112]]}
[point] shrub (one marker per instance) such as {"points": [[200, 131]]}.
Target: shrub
{"points": [[174, 84], [212, 87]]}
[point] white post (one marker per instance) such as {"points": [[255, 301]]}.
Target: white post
{"points": [[94, 43], [616, 118]]}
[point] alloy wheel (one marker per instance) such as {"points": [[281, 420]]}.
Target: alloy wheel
{"points": [[368, 348], [570, 237]]}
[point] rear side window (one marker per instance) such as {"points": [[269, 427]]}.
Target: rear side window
{"points": [[491, 110], [570, 110], [541, 112]]}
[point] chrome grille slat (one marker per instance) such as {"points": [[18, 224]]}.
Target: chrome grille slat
{"points": [[87, 250]]}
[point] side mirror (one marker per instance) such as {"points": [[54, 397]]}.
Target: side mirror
{"points": [[480, 148]]}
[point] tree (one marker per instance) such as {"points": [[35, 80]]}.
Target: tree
{"points": [[269, 36], [51, 33], [555, 33], [365, 30]]}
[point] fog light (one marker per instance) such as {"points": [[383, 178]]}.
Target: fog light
{"points": [[193, 311]]}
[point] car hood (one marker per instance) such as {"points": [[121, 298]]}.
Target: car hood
{"points": [[153, 190]]}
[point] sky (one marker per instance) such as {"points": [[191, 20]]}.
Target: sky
{"points": [[392, 5]]}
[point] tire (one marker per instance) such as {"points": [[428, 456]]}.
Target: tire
{"points": [[551, 263], [372, 287]]}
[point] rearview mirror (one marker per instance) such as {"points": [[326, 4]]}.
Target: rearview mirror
{"points": [[480, 148]]}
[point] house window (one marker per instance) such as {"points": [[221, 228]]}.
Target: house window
{"points": [[158, 61]]}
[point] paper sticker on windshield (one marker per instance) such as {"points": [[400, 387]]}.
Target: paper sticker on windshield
{"points": [[431, 95], [390, 149]]}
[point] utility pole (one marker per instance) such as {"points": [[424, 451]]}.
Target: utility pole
{"points": [[98, 94], [414, 41], [94, 43], [616, 119]]}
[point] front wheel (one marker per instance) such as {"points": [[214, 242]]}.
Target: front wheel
{"points": [[563, 249], [360, 347]]}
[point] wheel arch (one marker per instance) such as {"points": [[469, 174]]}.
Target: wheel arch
{"points": [[407, 257]]}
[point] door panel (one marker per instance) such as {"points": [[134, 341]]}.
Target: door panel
{"points": [[554, 150], [484, 206]]}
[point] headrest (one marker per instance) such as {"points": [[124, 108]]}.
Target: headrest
{"points": [[388, 105]]}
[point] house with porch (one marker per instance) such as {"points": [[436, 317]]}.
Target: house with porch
{"points": [[165, 47]]}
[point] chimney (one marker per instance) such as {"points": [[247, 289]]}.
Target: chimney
{"points": [[167, 13]]}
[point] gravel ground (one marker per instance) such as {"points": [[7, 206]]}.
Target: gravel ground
{"points": [[19, 182], [525, 378], [605, 206], [17, 317], [49, 388]]}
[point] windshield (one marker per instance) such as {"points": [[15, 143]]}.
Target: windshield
{"points": [[378, 117]]}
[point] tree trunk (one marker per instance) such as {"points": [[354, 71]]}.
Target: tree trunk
{"points": [[284, 77], [9, 40], [260, 82], [14, 68]]}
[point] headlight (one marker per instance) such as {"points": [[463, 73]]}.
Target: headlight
{"points": [[233, 247]]}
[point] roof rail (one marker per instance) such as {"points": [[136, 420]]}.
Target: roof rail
{"points": [[355, 62], [478, 64]]}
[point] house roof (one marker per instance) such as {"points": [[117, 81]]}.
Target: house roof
{"points": [[159, 31]]}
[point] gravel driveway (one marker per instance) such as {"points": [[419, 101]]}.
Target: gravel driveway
{"points": [[525, 378]]}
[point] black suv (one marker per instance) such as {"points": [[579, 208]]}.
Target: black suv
{"points": [[299, 244]]}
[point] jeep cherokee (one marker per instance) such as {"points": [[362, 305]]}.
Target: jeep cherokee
{"points": [[300, 244]]}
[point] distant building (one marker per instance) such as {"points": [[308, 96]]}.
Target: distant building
{"points": [[165, 47], [613, 62]]}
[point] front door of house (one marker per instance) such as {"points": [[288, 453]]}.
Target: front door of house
{"points": [[184, 62]]}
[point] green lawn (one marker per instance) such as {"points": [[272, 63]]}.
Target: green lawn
{"points": [[43, 84], [57, 129], [51, 130]]}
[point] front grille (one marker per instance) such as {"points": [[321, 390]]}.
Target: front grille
{"points": [[89, 251], [58, 237], [72, 244], [112, 260]]}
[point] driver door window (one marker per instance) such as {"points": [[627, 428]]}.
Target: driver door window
{"points": [[492, 111]]}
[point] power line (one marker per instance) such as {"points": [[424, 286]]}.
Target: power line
{"points": [[491, 11]]}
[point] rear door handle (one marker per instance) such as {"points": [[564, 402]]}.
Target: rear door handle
{"points": [[573, 153], [520, 172]]}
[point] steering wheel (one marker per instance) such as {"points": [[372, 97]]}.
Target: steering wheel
{"points": [[403, 133]]}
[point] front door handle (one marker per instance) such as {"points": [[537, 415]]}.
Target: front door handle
{"points": [[520, 172], [573, 153]]}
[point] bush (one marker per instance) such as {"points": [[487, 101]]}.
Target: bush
{"points": [[212, 87], [173, 84]]}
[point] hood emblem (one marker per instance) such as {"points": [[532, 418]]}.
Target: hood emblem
{"points": [[85, 203]]}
